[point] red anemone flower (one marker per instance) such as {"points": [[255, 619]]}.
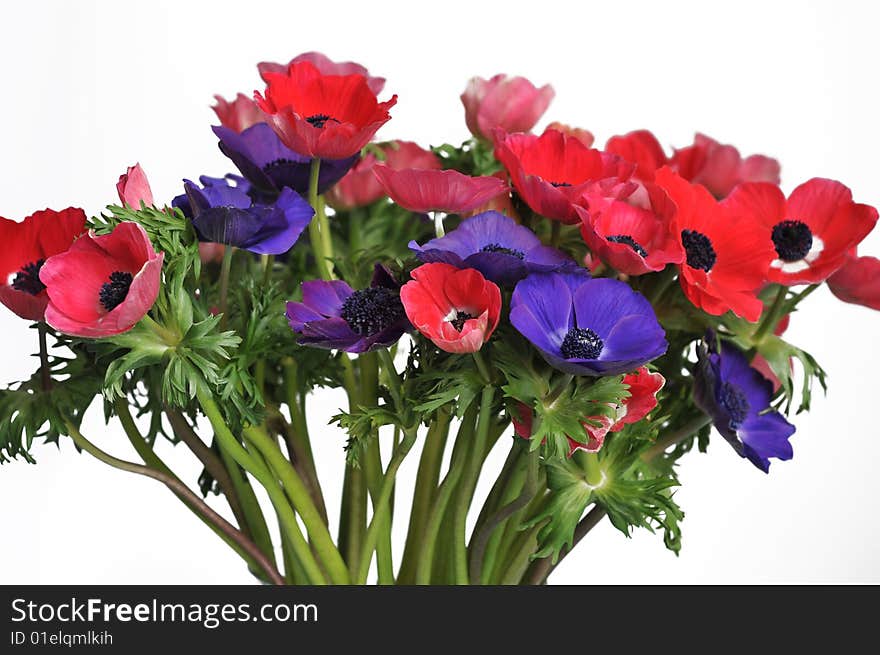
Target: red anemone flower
{"points": [[239, 114], [642, 149], [726, 252], [322, 116], [643, 389], [457, 309], [584, 136], [422, 190], [632, 239], [720, 167], [327, 67], [26, 247], [512, 104], [553, 171], [360, 187], [102, 285], [134, 188], [811, 233], [858, 282]]}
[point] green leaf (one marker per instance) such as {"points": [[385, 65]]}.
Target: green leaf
{"points": [[569, 497]]}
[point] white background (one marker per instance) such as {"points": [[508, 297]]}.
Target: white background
{"points": [[89, 88]]}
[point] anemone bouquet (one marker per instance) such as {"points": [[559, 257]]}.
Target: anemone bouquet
{"points": [[593, 312]]}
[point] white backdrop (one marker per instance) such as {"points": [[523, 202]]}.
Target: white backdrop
{"points": [[89, 88]]}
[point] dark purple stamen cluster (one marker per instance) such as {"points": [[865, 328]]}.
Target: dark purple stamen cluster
{"points": [[497, 247], [628, 240], [792, 239], [559, 184], [581, 343], [112, 293], [735, 402], [460, 319], [699, 250], [319, 120], [28, 278], [369, 311]]}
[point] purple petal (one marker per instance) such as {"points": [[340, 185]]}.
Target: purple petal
{"points": [[325, 296], [298, 314], [281, 226]]}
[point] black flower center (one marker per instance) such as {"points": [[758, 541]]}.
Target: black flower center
{"points": [[581, 343], [497, 247], [559, 184], [319, 120], [369, 311], [28, 278], [735, 402], [628, 240], [112, 293], [280, 163], [460, 319], [699, 250], [792, 239]]}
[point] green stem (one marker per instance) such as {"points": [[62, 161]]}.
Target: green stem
{"points": [[368, 366], [285, 513], [266, 261], [482, 367], [494, 548], [317, 224], [444, 496], [555, 233], [394, 383], [298, 494], [299, 434], [540, 569], [469, 483], [426, 487], [225, 269], [520, 552], [168, 337], [209, 459], [256, 521], [481, 538], [771, 316], [383, 509], [276, 424], [439, 230], [676, 436], [242, 544], [45, 371]]}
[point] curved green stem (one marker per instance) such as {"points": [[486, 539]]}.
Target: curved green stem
{"points": [[444, 496], [241, 544], [676, 436], [426, 488], [286, 516], [481, 538], [383, 506], [469, 483], [772, 315], [318, 226], [394, 383], [296, 490]]}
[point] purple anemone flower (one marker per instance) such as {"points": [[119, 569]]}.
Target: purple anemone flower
{"points": [[333, 315], [586, 326], [737, 398], [182, 202], [496, 245], [270, 166], [225, 213]]}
